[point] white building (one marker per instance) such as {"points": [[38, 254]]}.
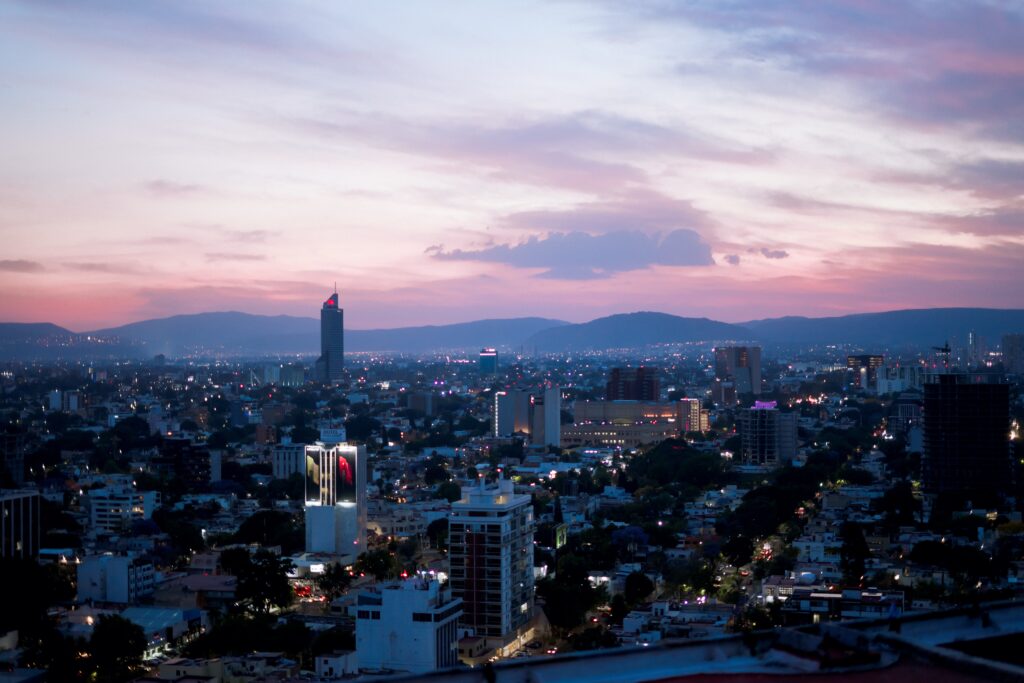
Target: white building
{"points": [[491, 556], [289, 459], [115, 578], [335, 499], [114, 509], [546, 418], [407, 626]]}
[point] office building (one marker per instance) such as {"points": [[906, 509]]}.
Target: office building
{"points": [[1013, 353], [19, 524], [423, 401], [113, 509], [633, 384], [12, 456], [488, 362], [491, 556], [865, 369], [293, 375], [546, 418], [122, 579], [409, 626], [768, 436], [966, 434], [336, 499], [741, 365], [331, 362], [502, 415], [288, 459], [522, 406]]}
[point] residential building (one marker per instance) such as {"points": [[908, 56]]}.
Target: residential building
{"points": [[113, 509], [768, 436], [19, 524], [409, 625], [122, 579], [741, 365], [491, 555]]}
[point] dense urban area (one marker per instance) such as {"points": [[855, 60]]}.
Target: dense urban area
{"points": [[357, 514]]}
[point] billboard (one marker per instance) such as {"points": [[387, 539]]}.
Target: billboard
{"points": [[345, 477], [312, 476]]}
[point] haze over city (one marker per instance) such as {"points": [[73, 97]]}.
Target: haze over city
{"points": [[449, 162]]}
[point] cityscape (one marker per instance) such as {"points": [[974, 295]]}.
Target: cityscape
{"points": [[547, 342]]}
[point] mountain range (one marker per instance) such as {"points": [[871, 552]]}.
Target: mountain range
{"points": [[243, 334]]}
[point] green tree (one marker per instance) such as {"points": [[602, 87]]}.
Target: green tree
{"points": [[853, 553], [334, 581], [437, 532], [116, 648], [638, 587], [448, 490], [264, 585], [380, 564]]}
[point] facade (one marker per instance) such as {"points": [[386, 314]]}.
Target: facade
{"points": [[966, 434], [865, 369], [491, 556], [115, 578], [289, 459], [502, 415], [114, 509], [633, 384], [768, 436], [407, 625], [546, 418], [741, 365], [488, 362], [612, 435], [19, 524], [12, 456], [331, 362], [335, 499], [1013, 353]]}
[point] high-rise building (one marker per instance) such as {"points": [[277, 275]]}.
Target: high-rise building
{"points": [[113, 509], [122, 579], [502, 414], [633, 384], [546, 418], [332, 341], [966, 434], [767, 435], [691, 414], [19, 524], [865, 369], [288, 459], [336, 499], [1013, 353], [741, 365], [409, 625], [488, 362], [491, 556]]}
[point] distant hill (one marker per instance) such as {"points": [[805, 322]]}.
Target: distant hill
{"points": [[915, 327], [237, 333], [627, 330], [243, 334], [504, 333]]}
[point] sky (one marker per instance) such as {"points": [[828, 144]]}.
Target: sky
{"points": [[445, 162]]}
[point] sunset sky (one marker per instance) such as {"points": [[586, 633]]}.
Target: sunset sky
{"points": [[446, 162]]}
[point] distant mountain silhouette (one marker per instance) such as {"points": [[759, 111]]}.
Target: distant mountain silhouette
{"points": [[914, 327], [627, 330], [243, 334]]}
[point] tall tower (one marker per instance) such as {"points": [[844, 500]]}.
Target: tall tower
{"points": [[966, 434], [491, 555], [332, 341], [336, 499]]}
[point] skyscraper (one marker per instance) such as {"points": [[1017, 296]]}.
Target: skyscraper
{"points": [[336, 499], [767, 435], [741, 365], [332, 341], [491, 555], [966, 434], [488, 362], [633, 384]]}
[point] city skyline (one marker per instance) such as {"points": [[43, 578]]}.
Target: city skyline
{"points": [[449, 163]]}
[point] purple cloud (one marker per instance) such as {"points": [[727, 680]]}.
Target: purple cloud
{"points": [[774, 253], [20, 266], [579, 255]]}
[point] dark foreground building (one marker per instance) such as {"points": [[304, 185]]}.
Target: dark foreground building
{"points": [[966, 434]]}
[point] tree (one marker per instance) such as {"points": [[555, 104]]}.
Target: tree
{"points": [[380, 564], [435, 474], [638, 587], [437, 532], [116, 647], [448, 490], [235, 561], [273, 527], [568, 595], [853, 553], [334, 581], [264, 585]]}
